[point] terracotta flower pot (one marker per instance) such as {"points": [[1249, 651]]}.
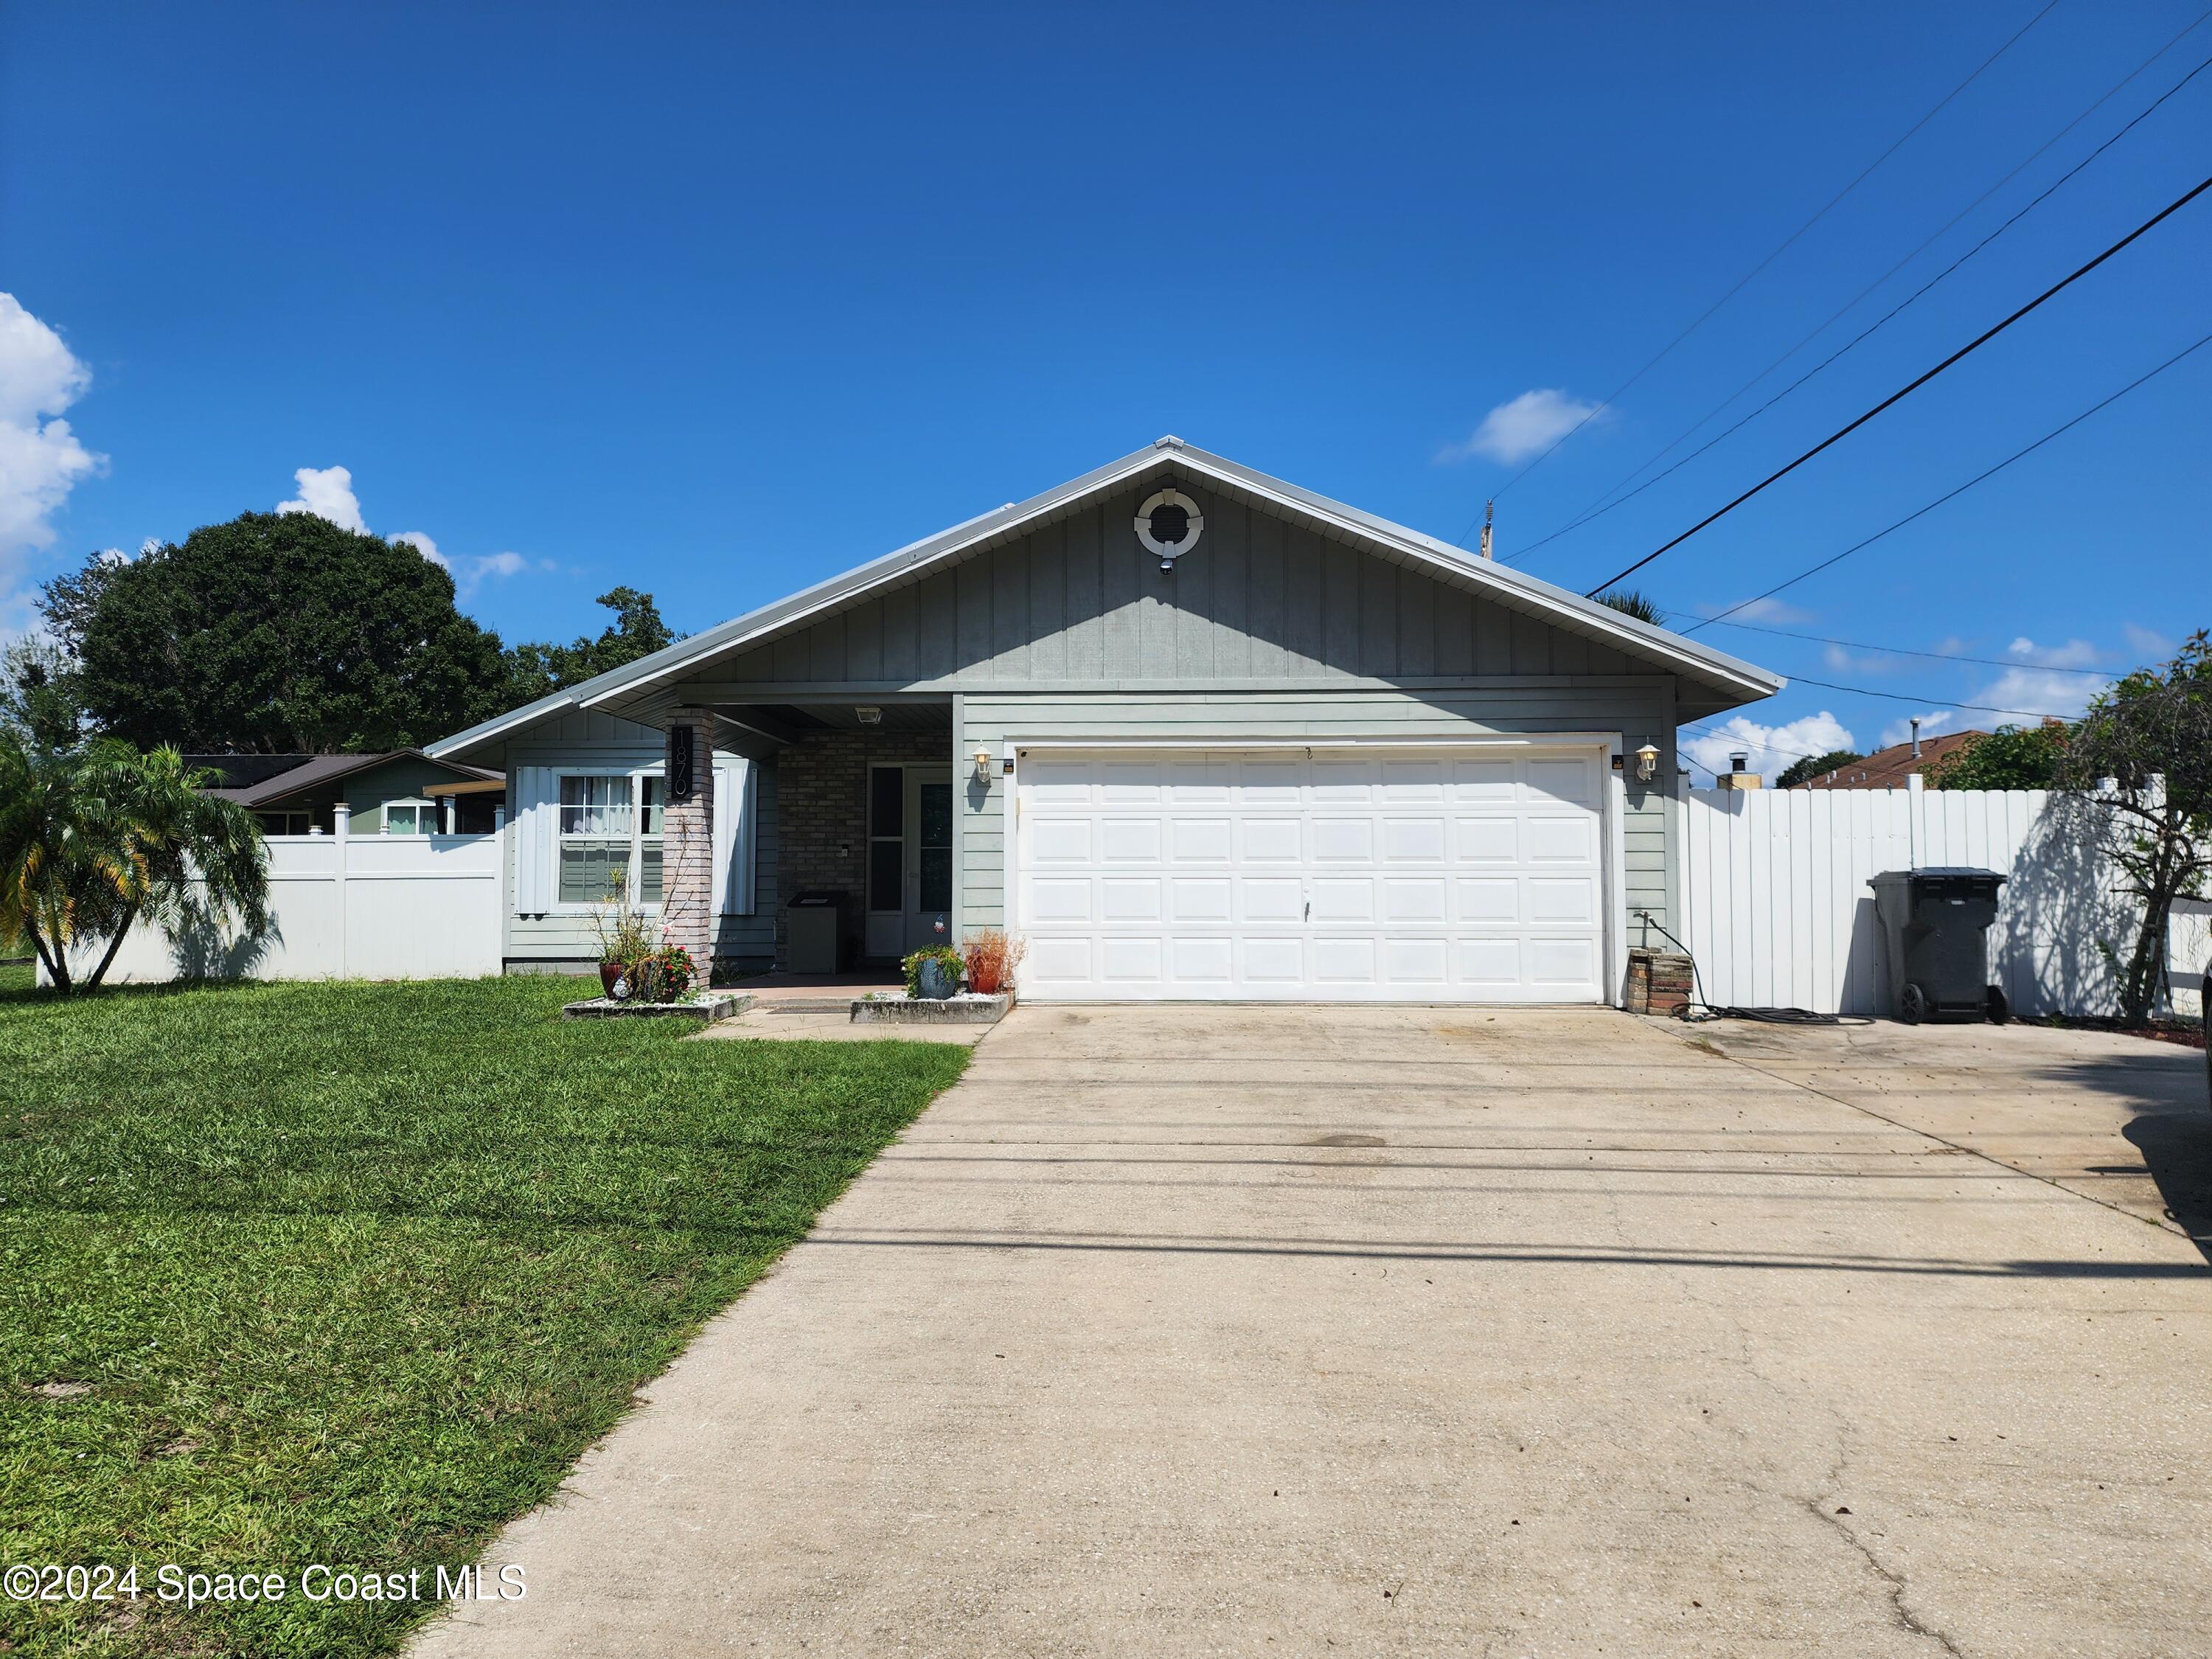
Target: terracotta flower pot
{"points": [[609, 973]]}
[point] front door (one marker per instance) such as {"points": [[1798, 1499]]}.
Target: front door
{"points": [[909, 858]]}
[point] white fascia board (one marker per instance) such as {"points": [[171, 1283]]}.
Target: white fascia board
{"points": [[528, 714]]}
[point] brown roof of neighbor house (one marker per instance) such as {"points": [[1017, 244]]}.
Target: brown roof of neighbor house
{"points": [[307, 771], [1887, 769]]}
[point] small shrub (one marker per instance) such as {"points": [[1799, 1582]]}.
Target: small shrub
{"points": [[990, 956], [939, 953]]}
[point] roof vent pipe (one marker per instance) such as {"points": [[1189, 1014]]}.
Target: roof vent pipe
{"points": [[1916, 736]]}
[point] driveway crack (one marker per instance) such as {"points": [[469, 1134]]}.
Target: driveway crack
{"points": [[1906, 1618]]}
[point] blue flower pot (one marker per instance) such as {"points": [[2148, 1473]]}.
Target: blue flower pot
{"points": [[937, 980]]}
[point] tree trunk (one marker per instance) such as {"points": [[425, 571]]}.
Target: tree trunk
{"points": [[130, 915], [57, 961]]}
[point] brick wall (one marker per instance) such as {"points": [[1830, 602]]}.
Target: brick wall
{"points": [[821, 813], [686, 850]]}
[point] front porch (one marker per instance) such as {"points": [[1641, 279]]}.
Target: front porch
{"points": [[863, 808]]}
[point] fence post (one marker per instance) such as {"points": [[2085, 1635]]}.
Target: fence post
{"points": [[341, 826], [1916, 812]]}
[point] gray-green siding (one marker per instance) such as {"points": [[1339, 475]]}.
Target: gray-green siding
{"points": [[589, 739], [1258, 599]]}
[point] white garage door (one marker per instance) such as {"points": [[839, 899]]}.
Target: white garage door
{"points": [[1342, 876]]}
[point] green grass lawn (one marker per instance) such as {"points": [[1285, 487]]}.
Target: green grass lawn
{"points": [[350, 1274]]}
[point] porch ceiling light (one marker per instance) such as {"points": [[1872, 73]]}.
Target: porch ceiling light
{"points": [[868, 715], [1647, 761]]}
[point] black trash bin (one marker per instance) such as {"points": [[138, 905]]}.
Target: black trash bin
{"points": [[814, 933], [1933, 921]]}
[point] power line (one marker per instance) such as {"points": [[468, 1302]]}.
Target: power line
{"points": [[1781, 249], [1950, 494], [1906, 650], [1609, 499], [1941, 702], [1910, 387]]}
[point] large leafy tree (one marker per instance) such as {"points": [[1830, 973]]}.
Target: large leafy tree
{"points": [[637, 631], [92, 838], [276, 632], [2143, 757], [1816, 766], [2010, 758]]}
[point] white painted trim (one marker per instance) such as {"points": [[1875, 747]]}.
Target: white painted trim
{"points": [[1616, 873], [1532, 740]]}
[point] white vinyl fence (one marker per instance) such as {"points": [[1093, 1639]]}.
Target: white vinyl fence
{"points": [[346, 907], [1779, 914]]}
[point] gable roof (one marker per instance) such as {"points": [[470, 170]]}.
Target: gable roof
{"points": [[312, 771], [1887, 769], [637, 688]]}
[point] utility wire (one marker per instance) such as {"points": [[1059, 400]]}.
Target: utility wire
{"points": [[1941, 702], [1786, 243], [1905, 651], [1991, 473], [1610, 499], [1910, 387]]}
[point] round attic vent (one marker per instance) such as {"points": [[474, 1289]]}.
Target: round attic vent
{"points": [[1169, 524]]}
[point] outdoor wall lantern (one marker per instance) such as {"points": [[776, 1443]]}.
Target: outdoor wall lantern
{"points": [[1647, 763], [983, 766]]}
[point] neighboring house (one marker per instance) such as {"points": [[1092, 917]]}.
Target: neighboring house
{"points": [[400, 793], [1887, 769], [1189, 730]]}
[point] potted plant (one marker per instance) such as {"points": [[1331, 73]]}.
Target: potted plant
{"points": [[664, 975], [991, 955], [934, 973], [625, 938]]}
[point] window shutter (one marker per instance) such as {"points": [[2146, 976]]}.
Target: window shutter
{"points": [[735, 815], [536, 818]]}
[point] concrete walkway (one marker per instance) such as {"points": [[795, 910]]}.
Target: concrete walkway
{"points": [[1418, 1331]]}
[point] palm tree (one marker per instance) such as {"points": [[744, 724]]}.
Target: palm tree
{"points": [[93, 838], [1630, 603]]}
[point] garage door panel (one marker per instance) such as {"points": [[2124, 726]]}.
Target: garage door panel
{"points": [[1416, 899], [1489, 841], [1202, 960], [1192, 898], [1061, 899], [1273, 841], [1131, 961], [1344, 841], [1404, 876], [1413, 841], [1130, 899], [1199, 841], [1131, 841], [1271, 899], [1343, 898]]}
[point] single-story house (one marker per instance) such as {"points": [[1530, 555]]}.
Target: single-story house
{"points": [[400, 792], [1189, 731], [1889, 768]]}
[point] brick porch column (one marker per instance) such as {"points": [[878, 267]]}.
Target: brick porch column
{"points": [[687, 846]]}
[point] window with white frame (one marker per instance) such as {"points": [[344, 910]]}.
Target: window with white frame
{"points": [[609, 835], [410, 817]]}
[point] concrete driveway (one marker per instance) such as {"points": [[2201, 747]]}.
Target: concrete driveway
{"points": [[1247, 1331]]}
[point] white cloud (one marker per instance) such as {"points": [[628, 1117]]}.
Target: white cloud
{"points": [[1771, 747], [422, 544], [41, 459], [2075, 653], [2033, 691], [326, 492], [1760, 611], [1901, 731], [1523, 428], [2146, 643]]}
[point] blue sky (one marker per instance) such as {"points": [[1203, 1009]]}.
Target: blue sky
{"points": [[718, 302]]}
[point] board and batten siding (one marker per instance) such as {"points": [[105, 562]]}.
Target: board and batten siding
{"points": [[989, 720], [1258, 599], [585, 739]]}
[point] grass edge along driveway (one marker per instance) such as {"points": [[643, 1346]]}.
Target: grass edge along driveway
{"points": [[351, 1274]]}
